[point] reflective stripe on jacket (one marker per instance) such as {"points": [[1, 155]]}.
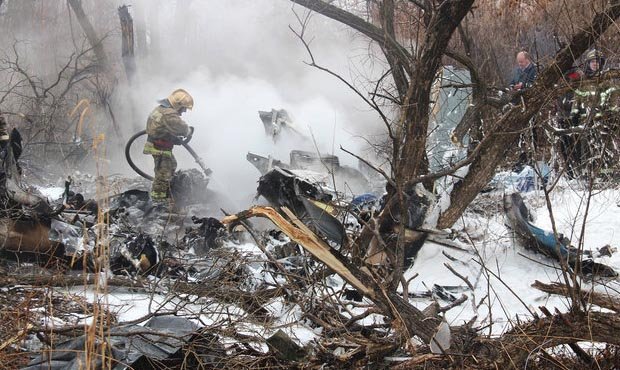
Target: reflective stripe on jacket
{"points": [[150, 149]]}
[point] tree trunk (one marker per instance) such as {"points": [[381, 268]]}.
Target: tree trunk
{"points": [[442, 25], [127, 44], [505, 132], [91, 35]]}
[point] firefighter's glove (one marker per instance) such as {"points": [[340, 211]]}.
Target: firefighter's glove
{"points": [[190, 135]]}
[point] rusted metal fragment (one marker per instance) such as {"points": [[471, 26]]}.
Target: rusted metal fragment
{"points": [[19, 236]]}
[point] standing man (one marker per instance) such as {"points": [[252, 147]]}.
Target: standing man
{"points": [[164, 128], [591, 97], [525, 74], [595, 106], [524, 77]]}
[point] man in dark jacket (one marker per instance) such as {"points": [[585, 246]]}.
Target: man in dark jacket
{"points": [[525, 74]]}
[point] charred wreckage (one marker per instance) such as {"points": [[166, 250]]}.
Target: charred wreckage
{"points": [[125, 235]]}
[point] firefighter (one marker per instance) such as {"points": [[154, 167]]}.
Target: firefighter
{"points": [[165, 128], [595, 109], [595, 61], [592, 96]]}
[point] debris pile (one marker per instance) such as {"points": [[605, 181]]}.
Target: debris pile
{"points": [[207, 292]]}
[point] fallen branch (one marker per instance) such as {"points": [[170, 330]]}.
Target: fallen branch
{"points": [[39, 280], [599, 299], [252, 302], [456, 303], [583, 355], [527, 340], [418, 360], [13, 339]]}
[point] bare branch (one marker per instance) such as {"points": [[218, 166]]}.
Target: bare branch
{"points": [[355, 22]]}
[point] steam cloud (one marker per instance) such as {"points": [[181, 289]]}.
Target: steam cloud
{"points": [[235, 57], [247, 60]]}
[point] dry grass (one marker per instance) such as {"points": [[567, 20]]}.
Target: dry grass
{"points": [[28, 313]]}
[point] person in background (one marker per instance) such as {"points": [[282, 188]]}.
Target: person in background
{"points": [[595, 61], [525, 74], [523, 78], [591, 97], [595, 107]]}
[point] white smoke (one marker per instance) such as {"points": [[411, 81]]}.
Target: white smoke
{"points": [[248, 60], [235, 57]]}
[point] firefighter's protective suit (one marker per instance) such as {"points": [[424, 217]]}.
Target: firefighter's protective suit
{"points": [[164, 128]]}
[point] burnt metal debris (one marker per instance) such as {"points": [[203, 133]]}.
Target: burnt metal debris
{"points": [[187, 247], [322, 168], [69, 229], [278, 123], [330, 215], [160, 343], [191, 252], [546, 242]]}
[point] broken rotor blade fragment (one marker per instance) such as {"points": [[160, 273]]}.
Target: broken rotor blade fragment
{"points": [[309, 241], [264, 164], [23, 197], [323, 221], [547, 242], [533, 237]]}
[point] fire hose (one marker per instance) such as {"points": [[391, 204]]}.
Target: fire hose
{"points": [[184, 143]]}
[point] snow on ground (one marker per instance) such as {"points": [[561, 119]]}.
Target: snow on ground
{"points": [[131, 305], [502, 288], [506, 259], [603, 222]]}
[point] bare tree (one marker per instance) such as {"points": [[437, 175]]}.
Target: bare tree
{"points": [[42, 104], [413, 70], [91, 34], [127, 44]]}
